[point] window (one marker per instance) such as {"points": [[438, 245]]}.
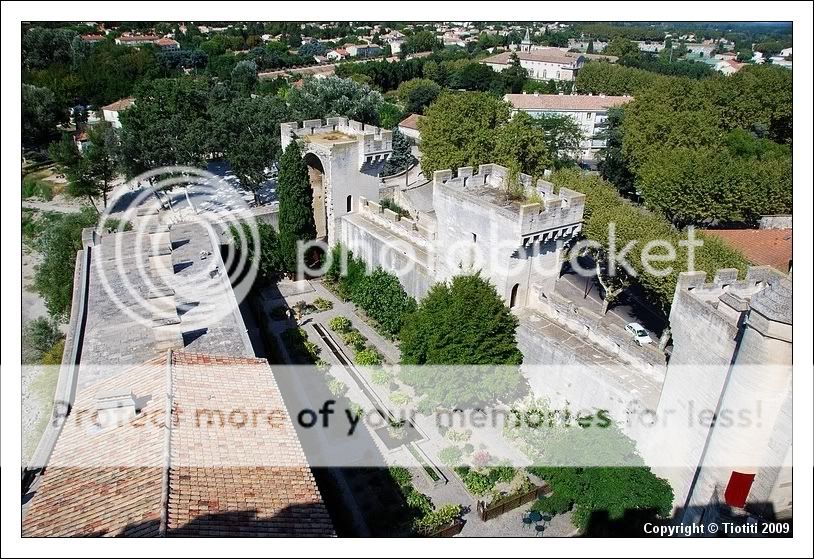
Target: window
{"points": [[474, 237], [350, 203], [589, 115], [513, 297]]}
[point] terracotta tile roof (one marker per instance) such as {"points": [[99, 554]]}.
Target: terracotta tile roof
{"points": [[119, 105], [555, 56], [138, 38], [411, 121], [565, 102], [166, 42], [762, 247], [93, 37], [236, 467]]}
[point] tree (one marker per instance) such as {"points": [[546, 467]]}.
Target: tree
{"points": [[296, 221], [521, 145], [389, 115], [383, 298], [59, 245], [562, 136], [267, 251], [244, 76], [422, 41], [459, 130], [402, 156], [463, 322], [515, 76], [612, 164], [590, 49], [100, 161], [418, 94], [39, 336], [247, 131], [333, 96], [41, 114], [745, 56], [622, 47]]}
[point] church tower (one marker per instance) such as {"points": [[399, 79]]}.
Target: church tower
{"points": [[525, 45]]}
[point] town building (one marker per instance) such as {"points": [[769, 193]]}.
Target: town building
{"points": [[542, 63], [336, 54], [729, 67], [363, 51], [92, 38], [762, 247], [589, 111], [409, 127], [163, 43], [110, 113]]}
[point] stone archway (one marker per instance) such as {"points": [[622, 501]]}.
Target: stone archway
{"points": [[513, 296], [316, 176]]}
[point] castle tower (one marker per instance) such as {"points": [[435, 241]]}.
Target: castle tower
{"points": [[725, 405]]}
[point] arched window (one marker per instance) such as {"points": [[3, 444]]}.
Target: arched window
{"points": [[350, 203]]}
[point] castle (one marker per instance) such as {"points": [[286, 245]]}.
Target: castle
{"points": [[732, 338]]}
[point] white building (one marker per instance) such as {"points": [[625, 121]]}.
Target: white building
{"points": [[541, 63], [729, 67], [589, 111], [111, 112], [363, 51], [409, 127], [785, 52]]}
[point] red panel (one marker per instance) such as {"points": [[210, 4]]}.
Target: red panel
{"points": [[738, 489]]}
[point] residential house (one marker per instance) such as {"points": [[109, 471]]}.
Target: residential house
{"points": [[363, 51], [729, 67], [92, 38], [589, 111], [409, 127], [110, 112], [336, 54]]}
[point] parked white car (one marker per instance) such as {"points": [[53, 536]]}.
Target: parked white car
{"points": [[638, 332]]}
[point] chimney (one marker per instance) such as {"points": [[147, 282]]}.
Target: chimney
{"points": [[115, 407]]}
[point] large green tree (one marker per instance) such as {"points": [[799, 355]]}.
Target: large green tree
{"points": [[521, 146], [418, 94], [296, 221], [459, 130], [463, 321], [515, 75], [402, 156], [247, 131], [334, 96], [41, 114], [59, 245]]}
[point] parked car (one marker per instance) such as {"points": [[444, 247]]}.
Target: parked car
{"points": [[638, 332]]}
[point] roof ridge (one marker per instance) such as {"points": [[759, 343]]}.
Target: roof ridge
{"points": [[165, 474]]}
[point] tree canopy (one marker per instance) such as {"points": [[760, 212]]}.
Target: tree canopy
{"points": [[296, 221], [334, 96]]}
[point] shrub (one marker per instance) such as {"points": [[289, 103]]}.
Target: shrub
{"points": [[381, 377], [401, 476], [54, 355], [339, 324], [39, 338], [476, 482], [419, 502], [400, 399], [354, 339], [556, 503], [451, 456], [437, 519], [337, 387], [323, 304], [368, 357], [381, 296], [459, 436]]}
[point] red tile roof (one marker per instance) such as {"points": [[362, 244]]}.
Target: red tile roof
{"points": [[411, 121], [166, 42], [529, 101], [119, 105], [138, 38], [231, 478], [762, 247]]}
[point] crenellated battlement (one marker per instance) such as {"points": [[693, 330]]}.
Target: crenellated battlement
{"points": [[542, 216], [726, 297], [337, 130]]}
